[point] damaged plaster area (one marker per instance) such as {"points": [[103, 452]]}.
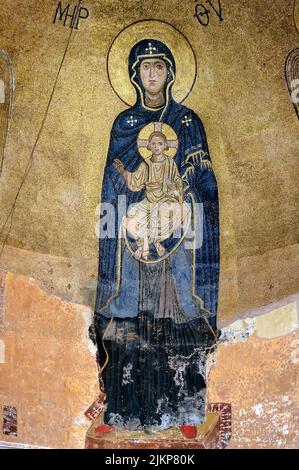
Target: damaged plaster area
{"points": [[279, 321], [254, 368]]}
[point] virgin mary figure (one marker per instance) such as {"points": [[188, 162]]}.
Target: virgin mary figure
{"points": [[155, 318]]}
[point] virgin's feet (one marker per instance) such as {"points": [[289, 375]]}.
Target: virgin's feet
{"points": [[103, 429], [188, 431]]}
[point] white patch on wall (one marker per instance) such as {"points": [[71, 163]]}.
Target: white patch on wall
{"points": [[80, 420], [295, 352], [87, 320], [259, 409], [2, 92], [286, 399], [280, 322], [2, 352], [285, 429], [240, 330]]}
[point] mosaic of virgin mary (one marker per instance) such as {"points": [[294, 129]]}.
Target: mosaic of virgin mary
{"points": [[156, 305]]}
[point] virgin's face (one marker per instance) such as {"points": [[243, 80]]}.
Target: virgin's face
{"points": [[153, 74]]}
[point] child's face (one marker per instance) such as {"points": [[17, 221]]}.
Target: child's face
{"points": [[157, 145]]}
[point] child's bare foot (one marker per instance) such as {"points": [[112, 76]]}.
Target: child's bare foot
{"points": [[138, 253], [160, 249]]}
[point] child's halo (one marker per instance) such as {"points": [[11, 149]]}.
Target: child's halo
{"points": [[146, 131]]}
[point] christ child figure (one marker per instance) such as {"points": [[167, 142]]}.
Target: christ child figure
{"points": [[162, 211]]}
